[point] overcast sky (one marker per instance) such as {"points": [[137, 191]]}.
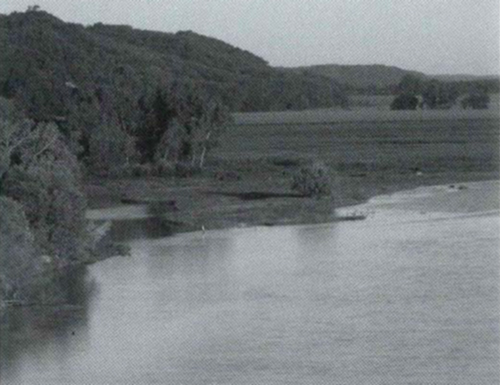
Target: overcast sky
{"points": [[432, 36]]}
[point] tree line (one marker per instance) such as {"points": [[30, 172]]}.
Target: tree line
{"points": [[415, 92]]}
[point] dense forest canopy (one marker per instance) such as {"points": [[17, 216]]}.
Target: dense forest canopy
{"points": [[41, 54]]}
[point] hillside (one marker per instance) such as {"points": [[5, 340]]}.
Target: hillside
{"points": [[378, 78], [358, 76], [42, 54], [463, 78]]}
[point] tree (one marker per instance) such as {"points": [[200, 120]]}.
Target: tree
{"points": [[45, 181], [14, 132], [404, 102], [410, 85], [169, 147], [181, 125], [206, 130], [157, 114], [312, 181], [477, 98], [111, 150]]}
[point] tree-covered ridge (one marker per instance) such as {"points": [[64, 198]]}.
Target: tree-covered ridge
{"points": [[360, 76], [379, 79], [41, 54]]}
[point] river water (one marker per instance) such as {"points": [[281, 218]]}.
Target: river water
{"points": [[408, 296]]}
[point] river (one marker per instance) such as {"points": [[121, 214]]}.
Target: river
{"points": [[408, 296]]}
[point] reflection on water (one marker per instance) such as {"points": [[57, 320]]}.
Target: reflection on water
{"points": [[45, 332], [404, 300]]}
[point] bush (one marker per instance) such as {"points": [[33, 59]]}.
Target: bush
{"points": [[312, 181]]}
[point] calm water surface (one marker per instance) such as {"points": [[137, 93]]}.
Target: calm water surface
{"points": [[405, 297]]}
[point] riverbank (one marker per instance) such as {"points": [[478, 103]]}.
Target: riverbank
{"points": [[255, 199], [248, 176]]}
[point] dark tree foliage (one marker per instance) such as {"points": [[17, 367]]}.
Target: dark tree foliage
{"points": [[437, 94], [47, 184], [476, 101], [404, 102], [42, 224], [45, 62], [410, 85], [180, 124], [156, 119]]}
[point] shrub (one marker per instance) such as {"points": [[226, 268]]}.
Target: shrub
{"points": [[312, 181]]}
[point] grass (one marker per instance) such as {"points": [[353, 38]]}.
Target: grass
{"points": [[366, 158], [366, 115], [372, 146]]}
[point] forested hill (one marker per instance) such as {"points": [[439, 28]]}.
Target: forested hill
{"points": [[359, 76], [42, 55], [380, 79]]}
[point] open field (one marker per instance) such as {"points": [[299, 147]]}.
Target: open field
{"points": [[366, 158], [337, 116], [383, 102], [393, 146]]}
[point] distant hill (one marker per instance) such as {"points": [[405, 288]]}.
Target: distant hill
{"points": [[376, 78], [462, 78], [41, 54], [358, 76]]}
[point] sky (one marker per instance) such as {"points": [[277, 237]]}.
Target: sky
{"points": [[431, 36]]}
